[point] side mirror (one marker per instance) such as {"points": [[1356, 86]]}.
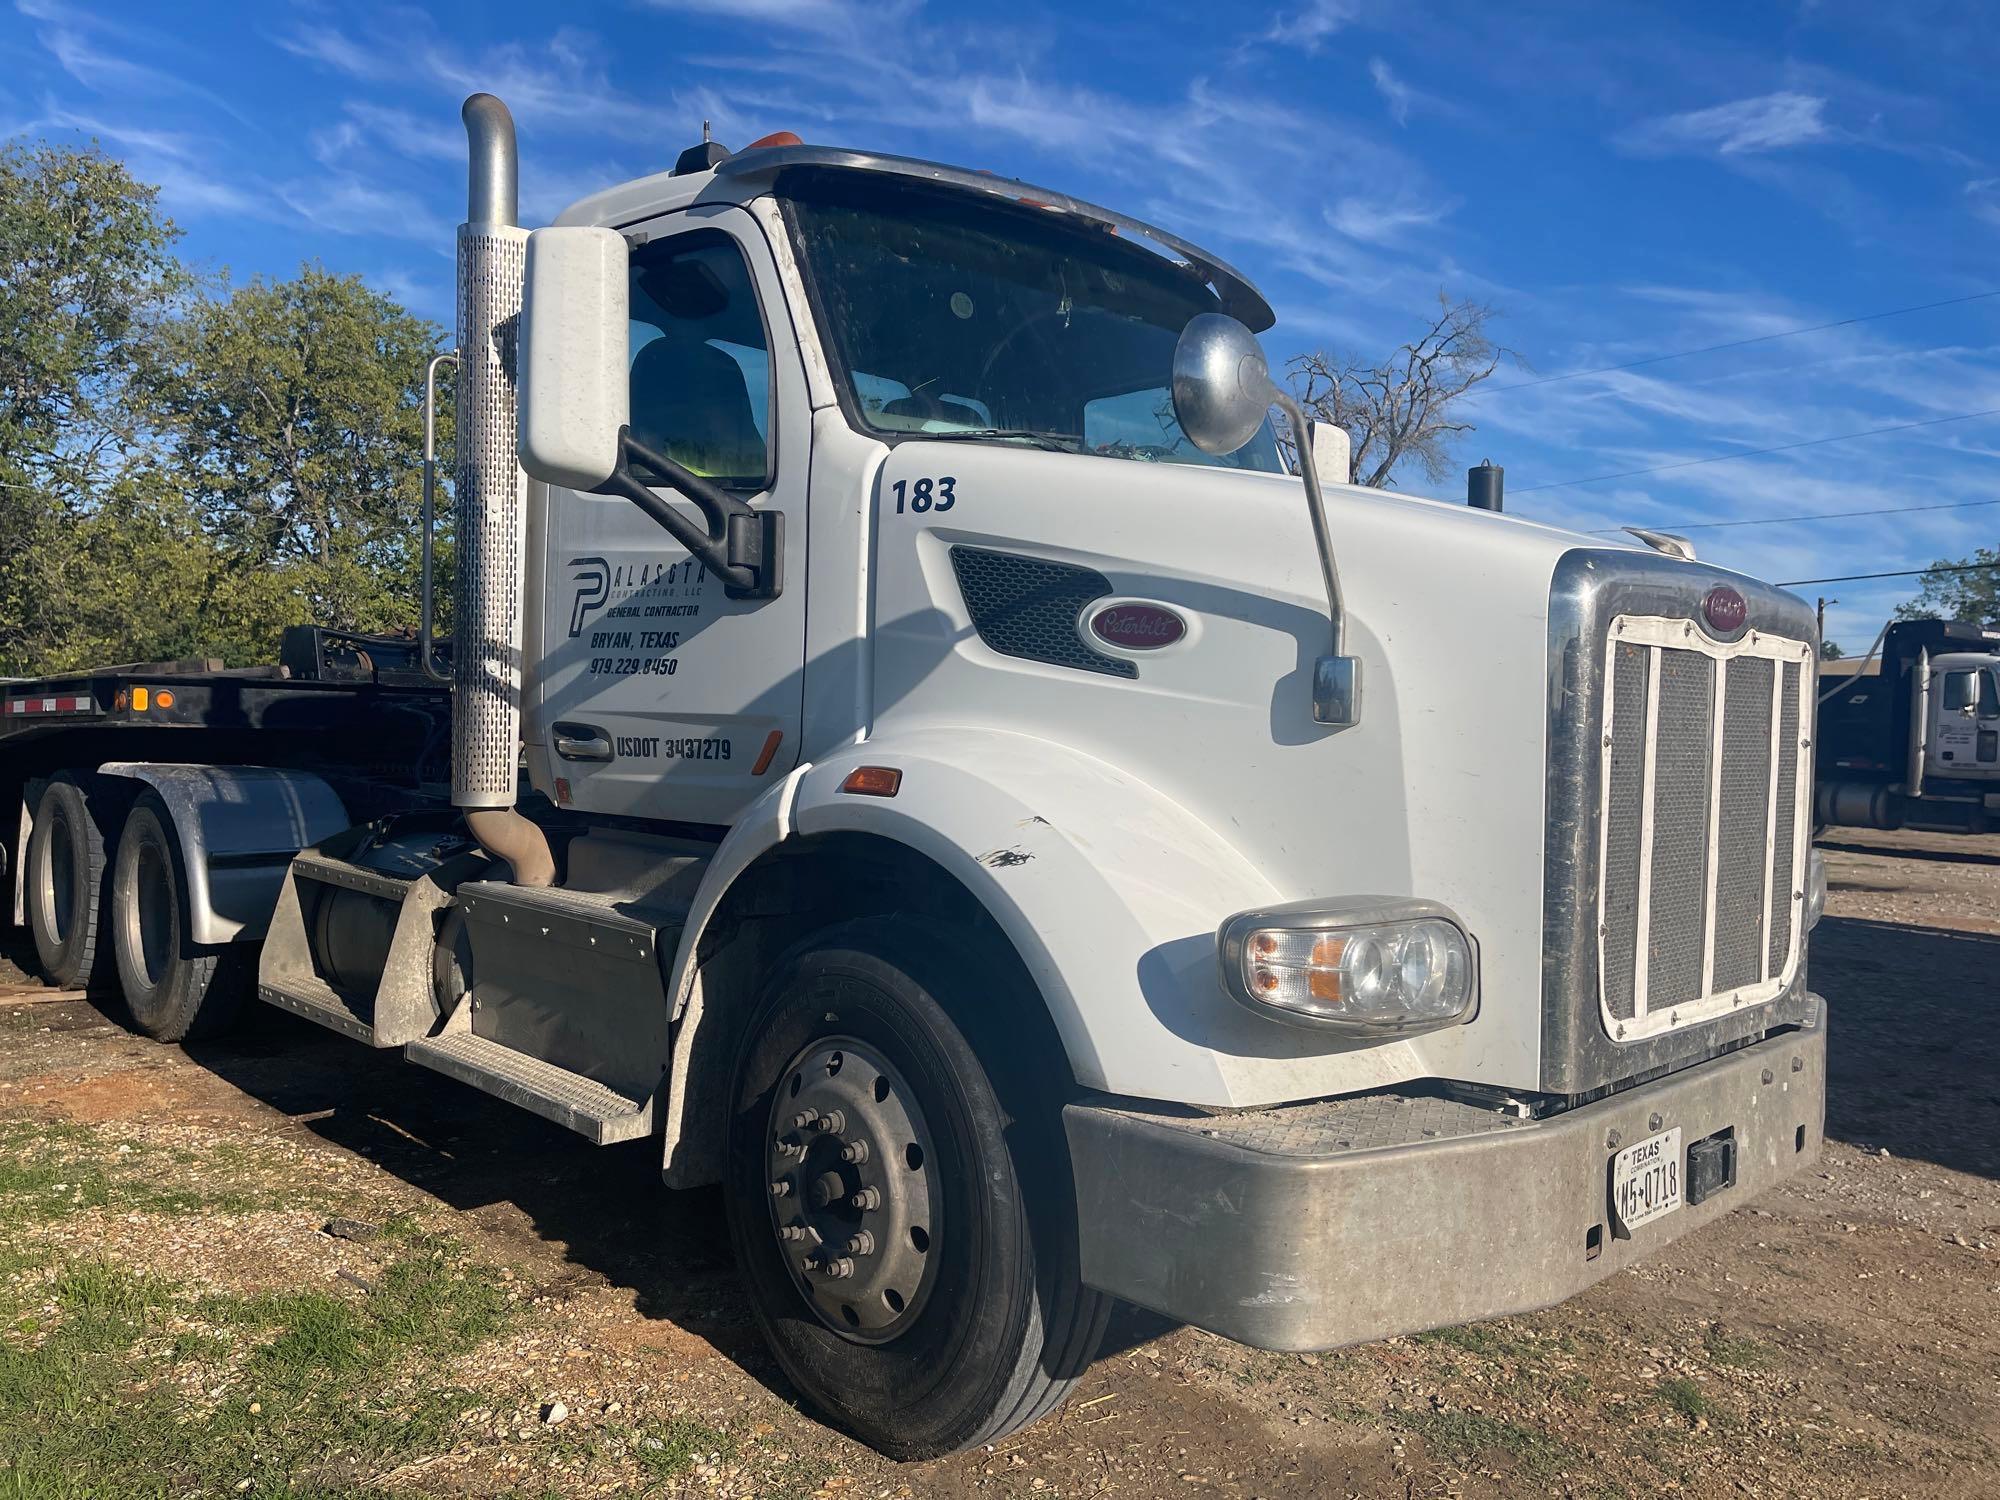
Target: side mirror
{"points": [[574, 400], [1222, 391], [1221, 386]]}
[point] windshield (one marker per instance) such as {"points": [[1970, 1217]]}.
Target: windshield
{"points": [[950, 316]]}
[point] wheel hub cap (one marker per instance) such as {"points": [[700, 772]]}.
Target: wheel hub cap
{"points": [[854, 1202]]}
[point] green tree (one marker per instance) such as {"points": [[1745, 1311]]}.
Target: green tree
{"points": [[87, 274], [294, 411], [1973, 595]]}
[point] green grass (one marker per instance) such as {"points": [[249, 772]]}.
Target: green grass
{"points": [[674, 1447], [1463, 1436], [1481, 1339], [1741, 1353], [51, 1171], [1684, 1396], [91, 1402]]}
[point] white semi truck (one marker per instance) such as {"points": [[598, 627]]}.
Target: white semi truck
{"points": [[917, 753]]}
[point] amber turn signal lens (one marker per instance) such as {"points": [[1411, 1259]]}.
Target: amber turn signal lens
{"points": [[873, 781], [164, 698]]}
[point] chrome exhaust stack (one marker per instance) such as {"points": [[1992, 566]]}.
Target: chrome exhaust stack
{"points": [[490, 510]]}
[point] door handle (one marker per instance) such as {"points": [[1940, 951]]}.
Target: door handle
{"points": [[582, 742]]}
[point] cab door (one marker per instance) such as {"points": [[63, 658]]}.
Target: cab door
{"points": [[1956, 691], [658, 695]]}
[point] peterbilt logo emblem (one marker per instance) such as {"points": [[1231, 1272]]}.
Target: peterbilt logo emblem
{"points": [[1137, 627], [1724, 609]]}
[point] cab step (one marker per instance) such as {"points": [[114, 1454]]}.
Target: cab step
{"points": [[312, 997], [593, 1110]]}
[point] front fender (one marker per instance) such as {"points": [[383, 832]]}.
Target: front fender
{"points": [[1112, 895]]}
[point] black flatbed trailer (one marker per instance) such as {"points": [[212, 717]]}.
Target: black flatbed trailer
{"points": [[354, 709]]}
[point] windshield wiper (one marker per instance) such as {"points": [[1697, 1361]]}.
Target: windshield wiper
{"points": [[1053, 442]]}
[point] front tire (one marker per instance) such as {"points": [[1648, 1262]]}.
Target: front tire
{"points": [[916, 1276], [67, 881], [176, 989]]}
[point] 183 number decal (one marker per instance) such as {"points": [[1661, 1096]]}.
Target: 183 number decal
{"points": [[924, 494]]}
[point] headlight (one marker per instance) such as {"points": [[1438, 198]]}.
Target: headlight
{"points": [[1364, 965], [1815, 887]]}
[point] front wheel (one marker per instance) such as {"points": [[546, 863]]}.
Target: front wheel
{"points": [[909, 1239], [177, 989]]}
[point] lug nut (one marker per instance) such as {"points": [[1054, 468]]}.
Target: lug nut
{"points": [[788, 1147], [782, 1188], [808, 1265], [803, 1119], [791, 1232], [833, 1122], [854, 1151], [861, 1244], [838, 1269], [867, 1200]]}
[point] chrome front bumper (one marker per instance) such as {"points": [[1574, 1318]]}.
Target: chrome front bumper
{"points": [[1316, 1225]]}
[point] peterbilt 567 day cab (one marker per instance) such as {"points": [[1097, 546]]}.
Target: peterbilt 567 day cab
{"points": [[1024, 842], [1911, 738]]}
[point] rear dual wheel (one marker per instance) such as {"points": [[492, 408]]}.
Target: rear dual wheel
{"points": [[66, 878], [902, 1212], [177, 989]]}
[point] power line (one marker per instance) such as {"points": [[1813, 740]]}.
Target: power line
{"points": [[1824, 515], [1721, 458], [1902, 573], [1762, 338]]}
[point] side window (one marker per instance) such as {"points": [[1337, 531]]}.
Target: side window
{"points": [[1989, 694], [1959, 688], [701, 365]]}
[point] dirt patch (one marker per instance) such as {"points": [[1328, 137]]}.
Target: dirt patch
{"points": [[1833, 1339]]}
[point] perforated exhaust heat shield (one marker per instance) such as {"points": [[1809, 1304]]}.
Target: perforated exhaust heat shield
{"points": [[490, 510]]}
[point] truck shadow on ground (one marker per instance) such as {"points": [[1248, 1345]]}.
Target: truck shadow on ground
{"points": [[1909, 1070], [1901, 851], [1915, 1023], [516, 1175]]}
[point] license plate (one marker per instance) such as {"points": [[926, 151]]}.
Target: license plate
{"points": [[1646, 1179]]}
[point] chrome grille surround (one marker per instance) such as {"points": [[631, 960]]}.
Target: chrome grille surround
{"points": [[1701, 834], [1588, 962]]}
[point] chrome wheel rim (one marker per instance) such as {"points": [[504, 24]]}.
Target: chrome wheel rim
{"points": [[854, 1193]]}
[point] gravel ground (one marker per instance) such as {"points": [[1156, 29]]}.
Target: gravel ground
{"points": [[1834, 1339]]}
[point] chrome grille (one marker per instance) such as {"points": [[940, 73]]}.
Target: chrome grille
{"points": [[1700, 784]]}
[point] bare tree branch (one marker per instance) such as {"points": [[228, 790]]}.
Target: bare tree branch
{"points": [[1402, 410]]}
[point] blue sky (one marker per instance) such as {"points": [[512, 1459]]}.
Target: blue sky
{"points": [[1621, 181]]}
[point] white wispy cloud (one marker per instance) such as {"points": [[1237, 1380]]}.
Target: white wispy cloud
{"points": [[1395, 93], [1311, 25], [1383, 221], [1769, 122], [104, 56]]}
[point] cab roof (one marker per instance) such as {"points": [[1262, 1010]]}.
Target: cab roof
{"points": [[742, 176]]}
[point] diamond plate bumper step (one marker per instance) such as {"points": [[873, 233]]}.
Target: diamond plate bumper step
{"points": [[316, 1000], [592, 1109]]}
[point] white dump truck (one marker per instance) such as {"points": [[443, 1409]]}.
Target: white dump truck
{"points": [[917, 753]]}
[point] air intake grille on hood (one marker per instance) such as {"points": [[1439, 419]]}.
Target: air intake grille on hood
{"points": [[1031, 608]]}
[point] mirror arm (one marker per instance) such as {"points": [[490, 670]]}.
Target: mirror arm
{"points": [[1336, 676], [741, 545]]}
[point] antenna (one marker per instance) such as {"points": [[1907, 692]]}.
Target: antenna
{"points": [[704, 132]]}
